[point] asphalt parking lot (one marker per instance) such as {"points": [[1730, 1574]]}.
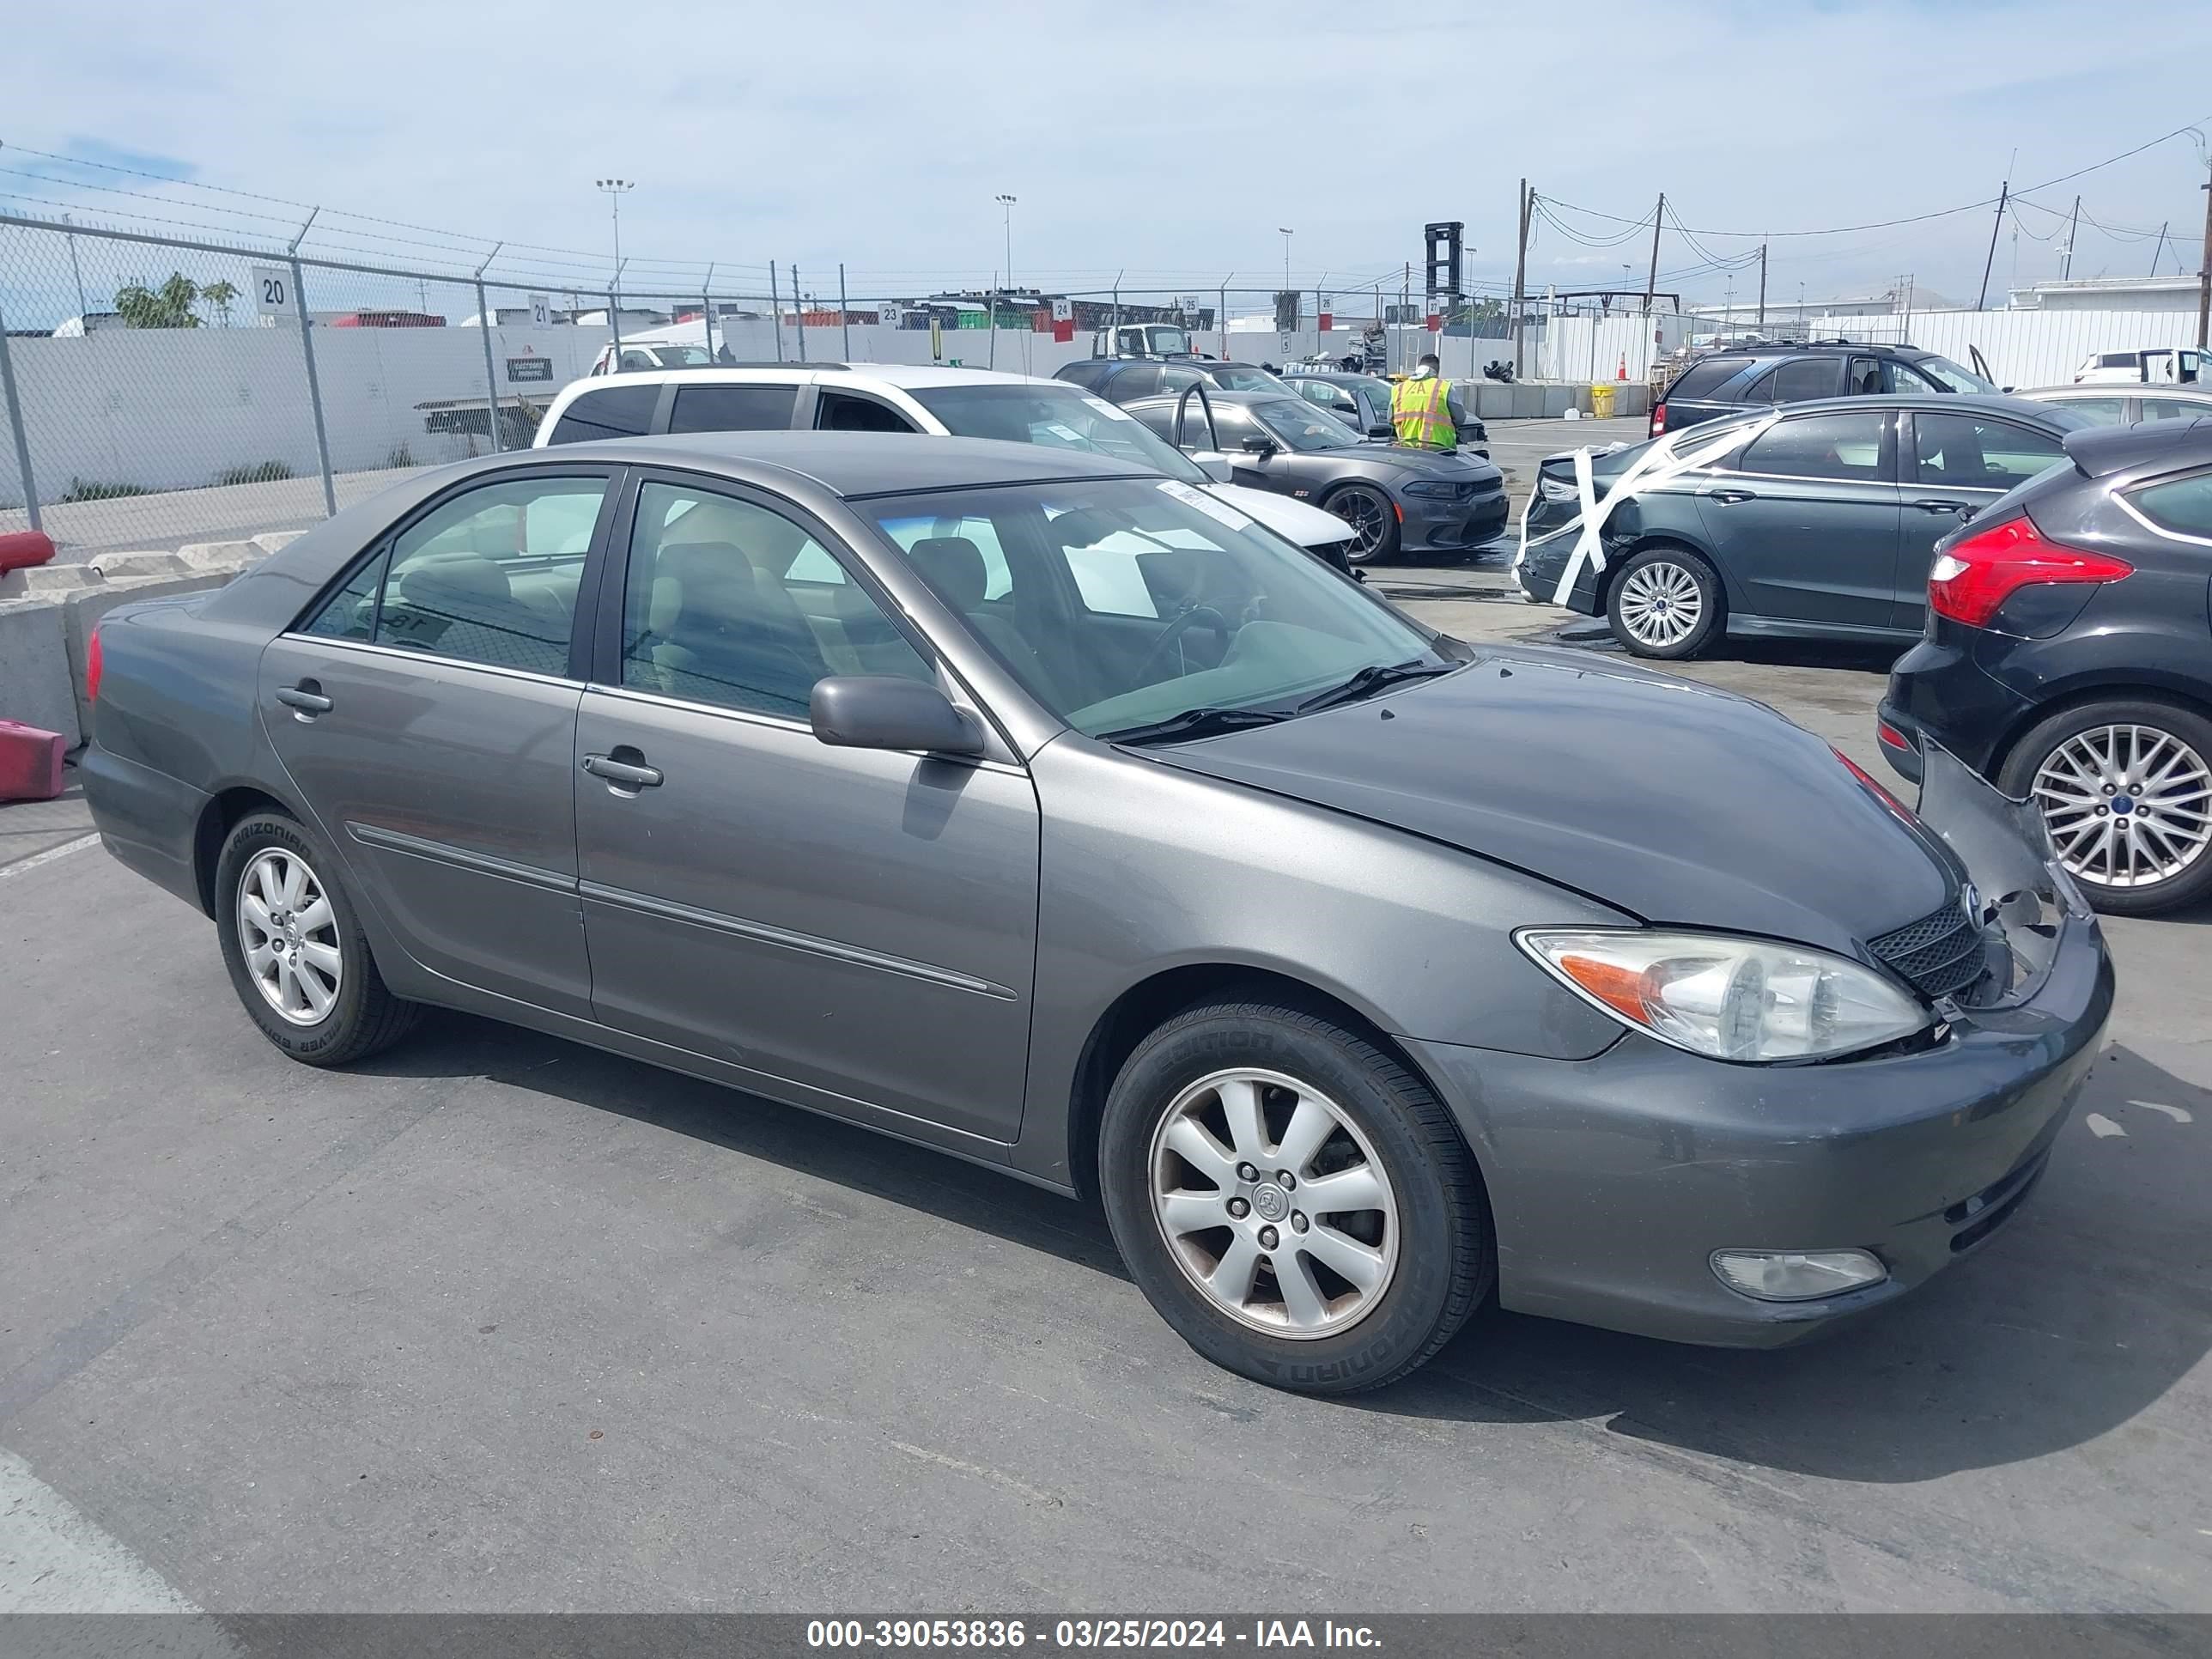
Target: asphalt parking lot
{"points": [[495, 1321]]}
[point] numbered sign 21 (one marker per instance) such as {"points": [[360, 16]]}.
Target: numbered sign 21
{"points": [[272, 291]]}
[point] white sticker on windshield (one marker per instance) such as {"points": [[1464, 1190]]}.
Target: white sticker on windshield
{"points": [[1114, 411], [1068, 432], [1217, 510]]}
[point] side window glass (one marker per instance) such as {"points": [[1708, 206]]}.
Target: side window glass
{"points": [[724, 602], [348, 613], [1846, 446], [1902, 377], [1804, 378], [491, 575], [2105, 412], [1760, 390], [614, 411], [2170, 409], [2185, 506], [1139, 381], [732, 407], [840, 412], [1968, 453]]}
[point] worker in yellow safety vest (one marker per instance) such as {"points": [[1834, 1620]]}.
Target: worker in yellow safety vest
{"points": [[1421, 408]]}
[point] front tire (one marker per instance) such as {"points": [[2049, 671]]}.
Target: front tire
{"points": [[2126, 786], [1376, 531], [1667, 603], [294, 945], [1293, 1201]]}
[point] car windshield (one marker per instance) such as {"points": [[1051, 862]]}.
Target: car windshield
{"points": [[1128, 602], [1167, 342], [1303, 426], [1948, 376], [1242, 377], [1058, 417]]}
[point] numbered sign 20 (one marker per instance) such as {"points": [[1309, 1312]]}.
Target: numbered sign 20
{"points": [[272, 291]]}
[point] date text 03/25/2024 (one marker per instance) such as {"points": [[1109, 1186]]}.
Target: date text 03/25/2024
{"points": [[1009, 1635]]}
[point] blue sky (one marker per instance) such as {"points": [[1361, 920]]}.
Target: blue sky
{"points": [[1167, 141]]}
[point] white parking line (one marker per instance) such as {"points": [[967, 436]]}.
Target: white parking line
{"points": [[49, 855], [54, 1558]]}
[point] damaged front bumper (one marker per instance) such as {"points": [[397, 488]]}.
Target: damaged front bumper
{"points": [[1613, 1181]]}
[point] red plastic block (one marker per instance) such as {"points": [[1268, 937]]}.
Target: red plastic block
{"points": [[30, 763], [20, 549]]}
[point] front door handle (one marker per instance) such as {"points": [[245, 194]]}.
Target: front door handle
{"points": [[623, 774], [306, 699], [1941, 506], [1729, 497]]}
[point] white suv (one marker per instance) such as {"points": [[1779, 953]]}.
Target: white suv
{"points": [[965, 403]]}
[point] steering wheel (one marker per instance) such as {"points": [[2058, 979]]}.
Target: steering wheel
{"points": [[1172, 633]]}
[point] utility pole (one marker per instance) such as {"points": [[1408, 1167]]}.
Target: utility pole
{"points": [[2159, 252], [1520, 280], [1651, 281], [2066, 264], [2004, 196], [1762, 287], [2204, 276]]}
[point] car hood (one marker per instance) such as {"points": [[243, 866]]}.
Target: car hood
{"points": [[1308, 526], [1430, 463], [1682, 804]]}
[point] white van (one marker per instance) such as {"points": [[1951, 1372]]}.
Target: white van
{"points": [[2156, 366]]}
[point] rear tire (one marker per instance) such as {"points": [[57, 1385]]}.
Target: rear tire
{"points": [[1259, 1290], [294, 945], [1667, 603], [2081, 764]]}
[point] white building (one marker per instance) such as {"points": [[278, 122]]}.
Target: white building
{"points": [[2110, 294]]}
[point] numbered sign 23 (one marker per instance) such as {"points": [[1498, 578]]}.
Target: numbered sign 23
{"points": [[272, 291]]}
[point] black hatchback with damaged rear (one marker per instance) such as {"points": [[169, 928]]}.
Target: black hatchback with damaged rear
{"points": [[2068, 658]]}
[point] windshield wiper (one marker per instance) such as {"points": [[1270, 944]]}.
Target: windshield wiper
{"points": [[1373, 678], [1194, 723]]}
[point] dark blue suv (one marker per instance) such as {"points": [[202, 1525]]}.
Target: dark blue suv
{"points": [[1737, 378]]}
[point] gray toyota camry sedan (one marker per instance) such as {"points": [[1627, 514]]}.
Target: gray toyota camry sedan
{"points": [[1062, 818]]}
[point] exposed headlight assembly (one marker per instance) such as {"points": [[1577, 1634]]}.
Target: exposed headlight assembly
{"points": [[1556, 489], [1728, 999], [1431, 487]]}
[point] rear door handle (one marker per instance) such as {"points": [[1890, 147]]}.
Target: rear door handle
{"points": [[1941, 506], [1729, 497], [623, 774], [306, 697]]}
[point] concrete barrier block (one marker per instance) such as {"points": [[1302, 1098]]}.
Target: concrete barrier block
{"points": [[81, 611], [1528, 401], [46, 580], [220, 556], [122, 566], [276, 541], [34, 668], [1558, 399]]}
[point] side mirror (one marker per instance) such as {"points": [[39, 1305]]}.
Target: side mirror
{"points": [[876, 711], [1257, 444], [1382, 431]]}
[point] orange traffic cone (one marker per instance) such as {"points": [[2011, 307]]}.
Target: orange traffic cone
{"points": [[1622, 374]]}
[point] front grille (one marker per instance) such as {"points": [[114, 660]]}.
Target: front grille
{"points": [[1941, 955]]}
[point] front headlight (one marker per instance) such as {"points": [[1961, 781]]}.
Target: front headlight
{"points": [[1556, 489], [1728, 999], [1430, 487]]}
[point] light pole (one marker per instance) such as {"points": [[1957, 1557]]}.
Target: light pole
{"points": [[613, 188], [1287, 233], [1007, 202]]}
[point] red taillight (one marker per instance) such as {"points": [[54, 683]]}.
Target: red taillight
{"points": [[92, 662], [1658, 419], [1972, 580], [1889, 737]]}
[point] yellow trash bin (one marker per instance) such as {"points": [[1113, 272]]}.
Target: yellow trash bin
{"points": [[1601, 402]]}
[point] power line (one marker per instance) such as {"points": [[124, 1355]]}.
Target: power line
{"points": [[1910, 219]]}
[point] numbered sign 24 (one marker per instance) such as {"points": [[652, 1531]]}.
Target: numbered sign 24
{"points": [[272, 291]]}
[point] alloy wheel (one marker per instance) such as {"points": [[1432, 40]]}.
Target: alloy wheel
{"points": [[1273, 1204], [1661, 604], [1368, 515], [2128, 805], [289, 934]]}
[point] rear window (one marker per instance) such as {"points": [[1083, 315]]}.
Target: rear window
{"points": [[1702, 380], [614, 411], [732, 407]]}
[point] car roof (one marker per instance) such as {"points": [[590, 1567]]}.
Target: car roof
{"points": [[1333, 376], [907, 377], [2114, 389], [853, 464], [1785, 348], [1244, 400], [2101, 452]]}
